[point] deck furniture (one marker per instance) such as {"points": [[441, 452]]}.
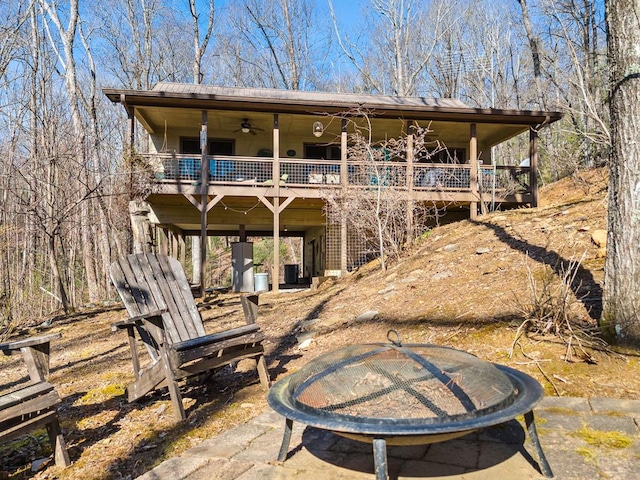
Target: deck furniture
{"points": [[161, 308], [34, 405]]}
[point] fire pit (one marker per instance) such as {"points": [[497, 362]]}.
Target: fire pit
{"points": [[394, 394]]}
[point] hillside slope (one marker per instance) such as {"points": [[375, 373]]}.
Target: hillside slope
{"points": [[467, 285]]}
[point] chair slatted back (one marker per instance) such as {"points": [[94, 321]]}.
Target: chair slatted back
{"points": [[148, 282]]}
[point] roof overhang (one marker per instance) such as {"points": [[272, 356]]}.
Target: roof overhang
{"points": [[171, 95], [170, 105]]}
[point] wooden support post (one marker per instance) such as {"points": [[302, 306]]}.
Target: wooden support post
{"points": [[344, 234], [275, 276], [344, 168], [344, 180], [473, 174], [204, 186], [533, 165], [175, 247], [182, 245], [140, 227], [410, 155], [276, 156], [163, 240]]}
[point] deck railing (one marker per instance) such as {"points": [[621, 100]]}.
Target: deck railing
{"points": [[307, 173]]}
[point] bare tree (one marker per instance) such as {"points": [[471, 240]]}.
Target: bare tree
{"points": [[402, 37], [621, 298], [579, 73], [534, 46], [200, 44], [129, 52], [276, 44], [379, 207]]}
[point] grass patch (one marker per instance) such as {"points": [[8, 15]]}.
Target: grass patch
{"points": [[101, 394], [599, 438], [587, 453], [560, 411]]}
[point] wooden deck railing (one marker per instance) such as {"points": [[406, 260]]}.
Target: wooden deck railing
{"points": [[307, 173]]}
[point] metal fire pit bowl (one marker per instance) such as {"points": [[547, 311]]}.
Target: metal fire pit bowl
{"points": [[389, 393]]}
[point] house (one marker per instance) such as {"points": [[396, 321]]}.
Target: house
{"points": [[268, 157]]}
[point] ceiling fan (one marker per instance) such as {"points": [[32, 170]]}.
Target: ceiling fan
{"points": [[245, 127]]}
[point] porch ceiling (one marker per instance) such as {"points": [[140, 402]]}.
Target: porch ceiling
{"points": [[225, 124]]}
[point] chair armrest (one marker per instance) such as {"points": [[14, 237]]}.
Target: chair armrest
{"points": [[9, 347], [137, 320], [250, 307], [35, 353]]}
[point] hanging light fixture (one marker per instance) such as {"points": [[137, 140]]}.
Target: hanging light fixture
{"points": [[318, 129]]}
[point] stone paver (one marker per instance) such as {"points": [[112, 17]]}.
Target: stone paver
{"points": [[249, 451]]}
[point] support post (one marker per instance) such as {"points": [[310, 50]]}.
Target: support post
{"points": [[140, 227], [344, 180], [182, 246], [275, 276], [533, 165], [131, 128], [473, 173], [344, 168], [535, 440], [286, 440], [204, 189], [410, 158], [380, 458]]}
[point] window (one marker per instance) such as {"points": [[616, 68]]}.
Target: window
{"points": [[322, 151], [217, 146]]}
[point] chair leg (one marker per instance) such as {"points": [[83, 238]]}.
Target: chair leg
{"points": [[60, 454], [172, 385], [176, 399], [263, 373]]}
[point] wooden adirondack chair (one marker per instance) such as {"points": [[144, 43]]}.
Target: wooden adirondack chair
{"points": [[158, 298], [35, 404]]}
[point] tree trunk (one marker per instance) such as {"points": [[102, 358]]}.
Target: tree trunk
{"points": [[621, 297], [535, 52], [58, 281]]}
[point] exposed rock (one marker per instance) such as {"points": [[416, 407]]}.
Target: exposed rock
{"points": [[442, 275], [306, 344], [390, 295], [482, 250], [585, 228], [40, 464], [391, 278], [599, 237], [308, 324], [367, 316], [451, 247], [303, 337], [387, 289]]}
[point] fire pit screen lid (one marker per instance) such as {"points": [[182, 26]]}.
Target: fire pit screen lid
{"points": [[389, 382]]}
